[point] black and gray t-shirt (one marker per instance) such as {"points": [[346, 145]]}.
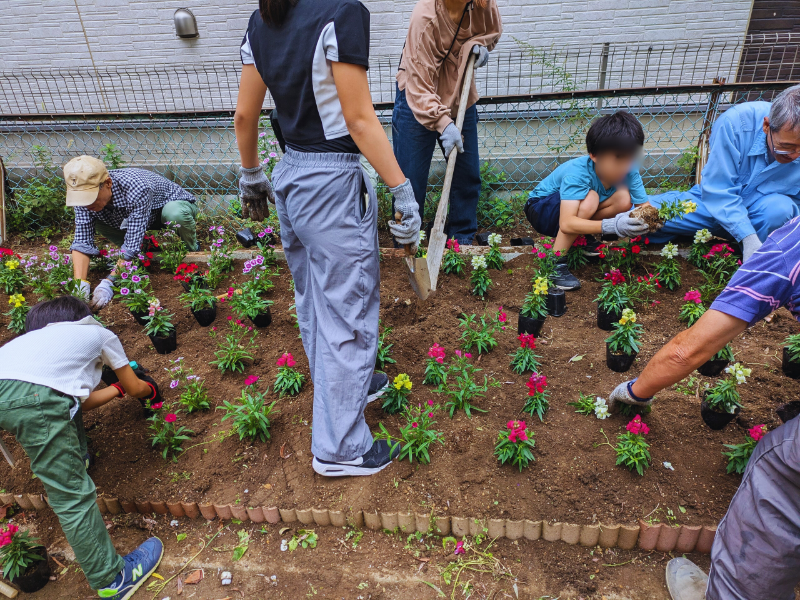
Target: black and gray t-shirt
{"points": [[294, 61]]}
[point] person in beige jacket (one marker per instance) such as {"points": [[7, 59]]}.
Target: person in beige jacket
{"points": [[441, 36]]}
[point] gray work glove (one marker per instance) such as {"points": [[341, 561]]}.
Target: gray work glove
{"points": [[451, 138], [482, 56], [103, 294], [623, 394], [407, 230], [750, 244], [624, 225], [256, 193], [85, 290]]}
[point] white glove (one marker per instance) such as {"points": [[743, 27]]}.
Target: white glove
{"points": [[407, 230], [750, 244], [85, 290], [624, 226], [623, 394], [103, 294], [482, 56], [451, 138]]}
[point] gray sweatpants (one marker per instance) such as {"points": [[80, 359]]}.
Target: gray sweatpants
{"points": [[331, 242], [756, 552]]}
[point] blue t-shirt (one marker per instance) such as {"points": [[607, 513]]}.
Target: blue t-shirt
{"points": [[573, 180], [768, 280]]}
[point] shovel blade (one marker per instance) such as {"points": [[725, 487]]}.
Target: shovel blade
{"points": [[418, 276]]}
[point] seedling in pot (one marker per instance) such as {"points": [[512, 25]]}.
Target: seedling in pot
{"points": [[290, 380], [20, 556], [397, 394], [479, 280], [632, 449], [790, 364], [624, 341], [159, 321], [524, 359], [538, 402], [435, 368], [724, 397], [453, 262], [18, 313], [221, 260], [740, 454], [198, 298], [248, 304], [418, 434], [515, 445]]}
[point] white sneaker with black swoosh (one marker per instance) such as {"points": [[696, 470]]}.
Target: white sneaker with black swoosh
{"points": [[375, 459]]}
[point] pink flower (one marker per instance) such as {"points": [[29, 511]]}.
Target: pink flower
{"points": [[517, 430], [757, 432], [414, 425], [230, 318], [452, 244], [437, 353], [654, 302], [615, 277], [526, 340], [693, 296], [430, 414], [430, 402], [548, 246], [286, 360], [157, 405], [459, 548], [250, 380], [171, 418], [536, 383], [579, 241], [541, 255], [636, 426], [501, 316]]}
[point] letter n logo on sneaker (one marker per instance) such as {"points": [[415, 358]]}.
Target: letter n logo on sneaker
{"points": [[137, 572]]}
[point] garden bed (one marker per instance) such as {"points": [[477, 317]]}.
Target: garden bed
{"points": [[574, 478]]}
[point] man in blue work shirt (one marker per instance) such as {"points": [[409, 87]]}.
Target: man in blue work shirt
{"points": [[751, 183]]}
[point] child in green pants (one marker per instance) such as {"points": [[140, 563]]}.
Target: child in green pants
{"points": [[47, 378]]}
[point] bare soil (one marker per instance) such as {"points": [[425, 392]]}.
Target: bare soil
{"points": [[574, 478]]}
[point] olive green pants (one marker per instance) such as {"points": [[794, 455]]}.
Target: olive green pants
{"points": [[39, 418], [181, 212]]}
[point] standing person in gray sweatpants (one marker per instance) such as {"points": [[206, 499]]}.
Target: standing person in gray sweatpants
{"points": [[756, 551], [313, 56]]}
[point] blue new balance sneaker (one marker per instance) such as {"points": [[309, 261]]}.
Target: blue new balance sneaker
{"points": [[139, 565]]}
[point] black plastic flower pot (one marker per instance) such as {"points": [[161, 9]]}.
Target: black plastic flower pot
{"points": [[140, 317], [246, 237], [482, 239], [37, 575], [530, 325], [789, 368], [787, 412], [200, 283], [521, 241], [262, 319], [556, 302], [166, 344], [205, 316], [712, 368], [606, 320], [714, 419], [618, 362]]}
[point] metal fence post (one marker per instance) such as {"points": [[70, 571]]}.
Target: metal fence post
{"points": [[603, 72]]}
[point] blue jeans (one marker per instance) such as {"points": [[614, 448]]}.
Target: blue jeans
{"points": [[413, 147]]}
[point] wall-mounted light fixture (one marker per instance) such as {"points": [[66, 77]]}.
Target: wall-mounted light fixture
{"points": [[185, 23]]}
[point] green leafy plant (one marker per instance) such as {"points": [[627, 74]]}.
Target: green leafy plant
{"points": [[246, 302], [194, 396], [384, 356], [397, 394], [235, 350], [18, 313], [668, 270], [304, 538], [535, 304], [242, 545], [418, 434], [40, 204], [17, 551], [717, 268], [158, 322], [740, 454], [494, 259], [584, 405], [632, 449], [460, 386], [251, 416], [537, 402], [524, 359], [700, 247], [626, 334], [576, 257], [726, 353], [167, 433], [613, 296], [479, 336], [453, 261], [435, 368], [133, 287], [479, 279], [693, 308], [792, 344], [725, 396], [112, 156], [173, 250], [546, 259], [514, 445], [48, 275], [290, 380], [221, 260], [676, 209], [12, 277], [198, 298]]}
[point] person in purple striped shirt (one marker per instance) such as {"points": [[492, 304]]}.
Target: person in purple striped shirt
{"points": [[756, 552]]}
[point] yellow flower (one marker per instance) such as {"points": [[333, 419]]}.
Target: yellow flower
{"points": [[402, 381], [16, 300], [540, 286], [12, 264], [689, 206], [628, 315]]}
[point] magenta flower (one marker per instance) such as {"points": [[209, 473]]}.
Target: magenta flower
{"points": [[171, 418], [251, 380], [124, 291], [173, 384], [693, 296], [459, 548]]}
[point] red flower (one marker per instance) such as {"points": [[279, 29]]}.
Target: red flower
{"points": [[579, 241], [636, 426], [437, 353], [430, 402], [5, 252], [414, 425], [636, 239], [103, 252], [286, 360], [171, 418], [757, 432], [636, 249], [501, 316], [536, 384], [526, 340], [157, 405], [250, 380], [517, 431]]}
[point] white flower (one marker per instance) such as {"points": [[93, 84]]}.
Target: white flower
{"points": [[669, 251], [739, 372], [495, 239], [421, 236], [601, 409], [478, 262], [702, 236]]}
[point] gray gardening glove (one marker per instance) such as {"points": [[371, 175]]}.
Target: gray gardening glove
{"points": [[750, 244], [623, 225], [407, 230], [256, 193], [482, 56], [451, 138], [623, 394], [103, 294]]}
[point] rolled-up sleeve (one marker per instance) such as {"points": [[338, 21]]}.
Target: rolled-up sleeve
{"points": [[421, 95], [84, 232], [720, 191], [138, 219]]}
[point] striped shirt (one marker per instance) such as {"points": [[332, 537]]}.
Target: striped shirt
{"points": [[137, 197], [768, 280]]}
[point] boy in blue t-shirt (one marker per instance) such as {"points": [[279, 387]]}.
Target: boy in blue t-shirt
{"points": [[592, 194]]}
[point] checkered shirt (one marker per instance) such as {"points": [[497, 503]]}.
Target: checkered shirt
{"points": [[136, 195]]}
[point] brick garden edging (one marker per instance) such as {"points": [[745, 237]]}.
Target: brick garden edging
{"points": [[660, 537]]}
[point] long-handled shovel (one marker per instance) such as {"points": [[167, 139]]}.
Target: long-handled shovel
{"points": [[417, 269], [438, 239]]}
